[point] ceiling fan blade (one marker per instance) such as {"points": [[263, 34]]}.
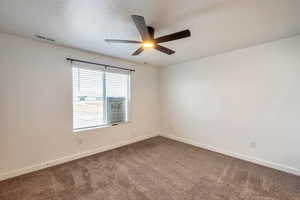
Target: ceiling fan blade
{"points": [[141, 26], [164, 49], [138, 51], [122, 41], [174, 36], [151, 31]]}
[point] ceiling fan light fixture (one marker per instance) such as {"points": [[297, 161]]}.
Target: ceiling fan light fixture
{"points": [[148, 41], [148, 44]]}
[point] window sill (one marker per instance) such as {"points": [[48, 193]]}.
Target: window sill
{"points": [[99, 127]]}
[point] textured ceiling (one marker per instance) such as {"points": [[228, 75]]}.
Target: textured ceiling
{"points": [[216, 25]]}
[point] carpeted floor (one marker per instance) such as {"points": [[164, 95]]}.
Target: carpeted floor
{"points": [[155, 169]]}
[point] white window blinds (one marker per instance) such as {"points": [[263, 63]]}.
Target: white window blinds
{"points": [[100, 97]]}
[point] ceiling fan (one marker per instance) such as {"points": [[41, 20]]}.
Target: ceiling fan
{"points": [[148, 40]]}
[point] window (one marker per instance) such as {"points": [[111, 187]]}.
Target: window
{"points": [[100, 97]]}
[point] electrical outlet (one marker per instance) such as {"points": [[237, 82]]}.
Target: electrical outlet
{"points": [[252, 145], [79, 141], [171, 127]]}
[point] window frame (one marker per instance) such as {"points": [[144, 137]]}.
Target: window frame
{"points": [[104, 69]]}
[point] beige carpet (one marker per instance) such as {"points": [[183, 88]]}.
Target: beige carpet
{"points": [[155, 169]]}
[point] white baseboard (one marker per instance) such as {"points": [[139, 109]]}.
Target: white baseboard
{"points": [[251, 159], [62, 160]]}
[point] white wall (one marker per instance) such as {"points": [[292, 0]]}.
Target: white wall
{"points": [[36, 106], [222, 103], [227, 101]]}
